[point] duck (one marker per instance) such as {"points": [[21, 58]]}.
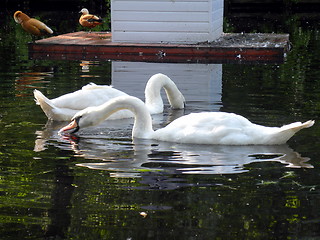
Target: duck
{"points": [[31, 25], [63, 108], [215, 128], [89, 20]]}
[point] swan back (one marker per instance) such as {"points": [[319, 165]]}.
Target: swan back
{"points": [[66, 106], [225, 129], [206, 128], [153, 99], [89, 95]]}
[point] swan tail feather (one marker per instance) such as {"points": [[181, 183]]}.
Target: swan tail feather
{"points": [[297, 126], [44, 103], [282, 135]]}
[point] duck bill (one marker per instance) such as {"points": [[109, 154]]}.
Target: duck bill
{"points": [[71, 127]]}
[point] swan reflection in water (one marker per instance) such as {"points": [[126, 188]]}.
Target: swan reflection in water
{"points": [[109, 143], [188, 159]]}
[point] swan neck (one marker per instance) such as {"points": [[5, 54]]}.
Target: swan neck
{"points": [[152, 92], [153, 97], [142, 127]]}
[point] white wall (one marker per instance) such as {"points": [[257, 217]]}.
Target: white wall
{"points": [[157, 21]]}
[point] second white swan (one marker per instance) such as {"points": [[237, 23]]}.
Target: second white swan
{"points": [[197, 128], [66, 106]]}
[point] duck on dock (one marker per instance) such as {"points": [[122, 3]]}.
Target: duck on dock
{"points": [[31, 25], [89, 20]]}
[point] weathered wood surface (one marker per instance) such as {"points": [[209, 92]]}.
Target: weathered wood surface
{"points": [[230, 47]]}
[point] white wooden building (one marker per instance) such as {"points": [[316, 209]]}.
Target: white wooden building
{"points": [[166, 21]]}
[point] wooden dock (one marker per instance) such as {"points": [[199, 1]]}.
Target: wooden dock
{"points": [[229, 48]]}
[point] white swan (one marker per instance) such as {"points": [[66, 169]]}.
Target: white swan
{"points": [[66, 106], [197, 128]]}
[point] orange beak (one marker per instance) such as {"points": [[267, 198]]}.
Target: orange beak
{"points": [[70, 126]]}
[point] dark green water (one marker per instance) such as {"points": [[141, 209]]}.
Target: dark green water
{"points": [[103, 185]]}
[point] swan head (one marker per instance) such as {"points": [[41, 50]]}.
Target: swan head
{"points": [[92, 116], [72, 127], [82, 119], [84, 11]]}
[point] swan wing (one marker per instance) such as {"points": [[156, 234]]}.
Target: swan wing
{"points": [[207, 128], [92, 86], [226, 129], [87, 97]]}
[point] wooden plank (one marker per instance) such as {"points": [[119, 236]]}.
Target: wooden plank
{"points": [[97, 46], [165, 37], [160, 16], [162, 27], [163, 1], [161, 6]]}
